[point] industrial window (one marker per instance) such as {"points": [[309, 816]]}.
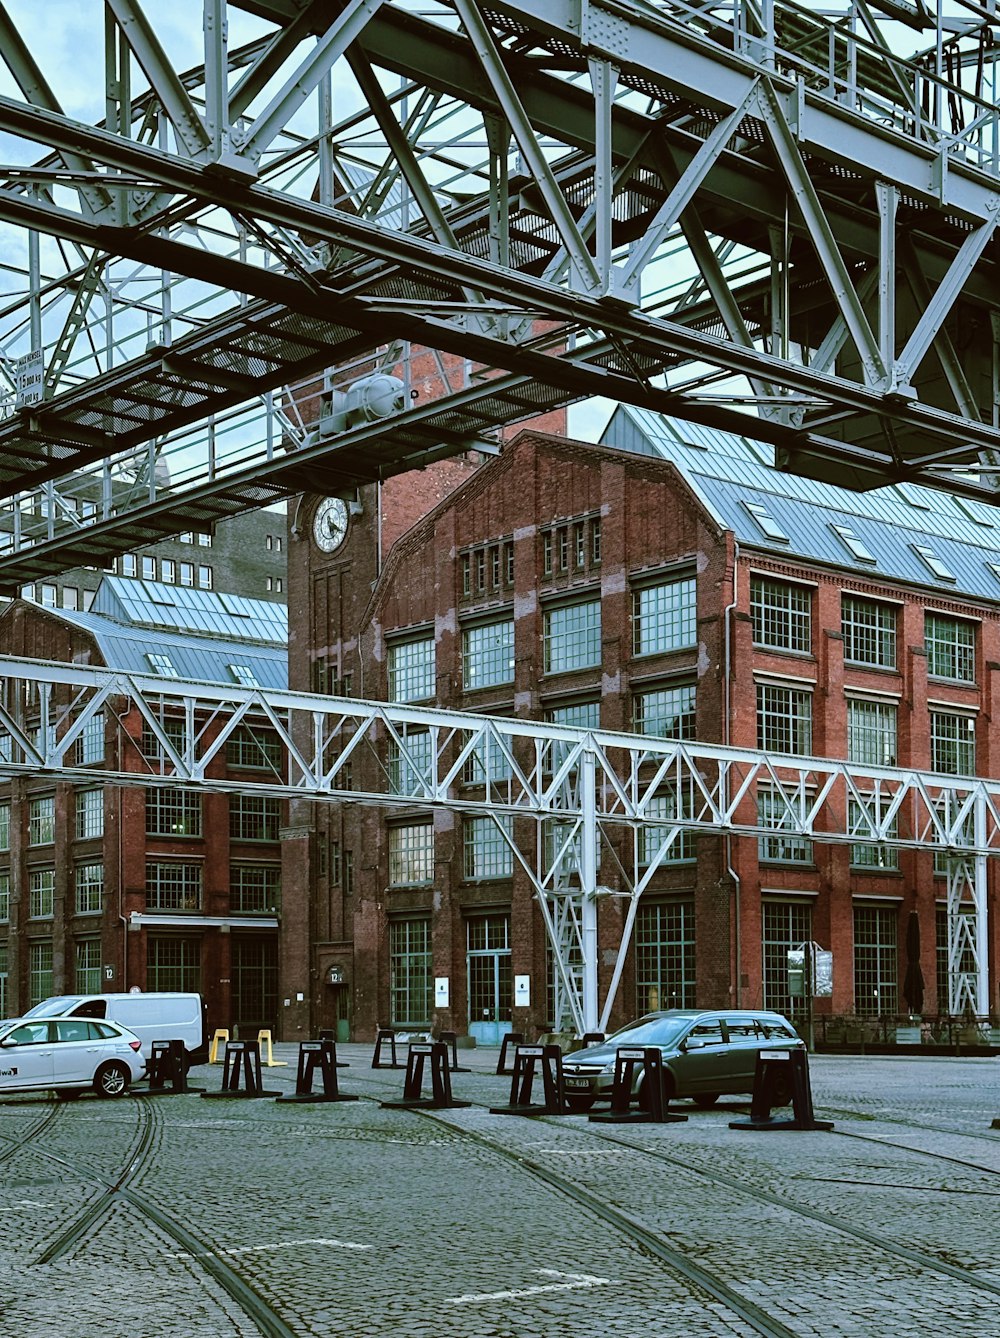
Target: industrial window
{"points": [[173, 730], [780, 614], [254, 818], [149, 568], [875, 855], [89, 814], [488, 654], [4, 826], [965, 966], [187, 573], [39, 971], [205, 578], [664, 956], [172, 812], [869, 630], [785, 925], [168, 571], [172, 885], [410, 972], [41, 887], [664, 617], [784, 719], [953, 743], [49, 596], [666, 713], [410, 760], [173, 964], [572, 637], [128, 564], [42, 821], [254, 748], [487, 851], [70, 597], [90, 745], [783, 816], [580, 715], [87, 966], [876, 971], [487, 760], [4, 897], [89, 880], [951, 648], [204, 539], [411, 854], [871, 732], [255, 889], [161, 664], [675, 802], [411, 670]]}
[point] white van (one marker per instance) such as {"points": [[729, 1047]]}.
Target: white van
{"points": [[156, 1016]]}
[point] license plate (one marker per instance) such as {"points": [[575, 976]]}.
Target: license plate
{"points": [[577, 1082]]}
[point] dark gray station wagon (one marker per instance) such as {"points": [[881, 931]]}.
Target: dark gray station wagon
{"points": [[705, 1054]]}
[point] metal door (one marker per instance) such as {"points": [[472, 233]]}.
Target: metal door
{"points": [[489, 976], [255, 984]]}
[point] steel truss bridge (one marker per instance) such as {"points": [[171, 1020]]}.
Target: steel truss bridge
{"points": [[596, 801], [704, 208]]}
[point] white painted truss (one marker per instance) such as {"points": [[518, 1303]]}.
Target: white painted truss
{"points": [[577, 787]]}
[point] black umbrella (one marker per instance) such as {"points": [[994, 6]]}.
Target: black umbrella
{"points": [[913, 984]]}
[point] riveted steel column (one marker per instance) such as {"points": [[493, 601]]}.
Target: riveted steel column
{"points": [[888, 199], [588, 887]]}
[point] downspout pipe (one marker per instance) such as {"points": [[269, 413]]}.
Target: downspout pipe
{"points": [[726, 738]]}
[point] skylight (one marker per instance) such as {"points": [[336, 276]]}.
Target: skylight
{"points": [[934, 563], [161, 664], [766, 522], [977, 512], [244, 675], [855, 546], [912, 495]]}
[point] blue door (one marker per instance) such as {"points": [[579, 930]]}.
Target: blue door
{"points": [[489, 976]]}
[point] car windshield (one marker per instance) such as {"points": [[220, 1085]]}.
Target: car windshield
{"points": [[652, 1031], [51, 1007]]}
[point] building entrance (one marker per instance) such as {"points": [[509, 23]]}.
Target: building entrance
{"points": [[489, 976], [255, 985]]}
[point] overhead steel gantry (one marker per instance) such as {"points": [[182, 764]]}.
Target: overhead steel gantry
{"points": [[701, 208], [580, 789]]}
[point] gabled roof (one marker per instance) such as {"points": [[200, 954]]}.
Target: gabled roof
{"points": [[920, 536]]}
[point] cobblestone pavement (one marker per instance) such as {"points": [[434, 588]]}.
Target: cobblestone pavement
{"points": [[355, 1220]]}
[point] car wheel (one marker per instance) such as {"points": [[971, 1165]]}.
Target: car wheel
{"points": [[706, 1099], [112, 1079], [578, 1103], [68, 1093]]}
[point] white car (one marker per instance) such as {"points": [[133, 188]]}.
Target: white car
{"points": [[67, 1055]]}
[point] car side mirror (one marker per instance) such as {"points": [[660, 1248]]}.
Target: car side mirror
{"points": [[8, 1044], [694, 1043]]}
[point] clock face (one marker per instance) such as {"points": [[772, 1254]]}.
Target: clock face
{"points": [[330, 524]]}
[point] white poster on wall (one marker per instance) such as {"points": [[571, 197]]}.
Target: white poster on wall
{"points": [[522, 991], [441, 991]]}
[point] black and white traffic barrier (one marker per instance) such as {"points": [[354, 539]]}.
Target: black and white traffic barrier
{"points": [[242, 1057], [777, 1072], [441, 1097], [316, 1056], [510, 1041], [449, 1039], [328, 1034], [526, 1058], [654, 1103], [382, 1035], [167, 1064]]}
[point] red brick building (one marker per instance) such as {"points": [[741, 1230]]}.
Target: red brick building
{"points": [[103, 887], [680, 587]]}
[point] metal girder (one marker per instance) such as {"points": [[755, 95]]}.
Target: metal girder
{"points": [[577, 787], [598, 96]]}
